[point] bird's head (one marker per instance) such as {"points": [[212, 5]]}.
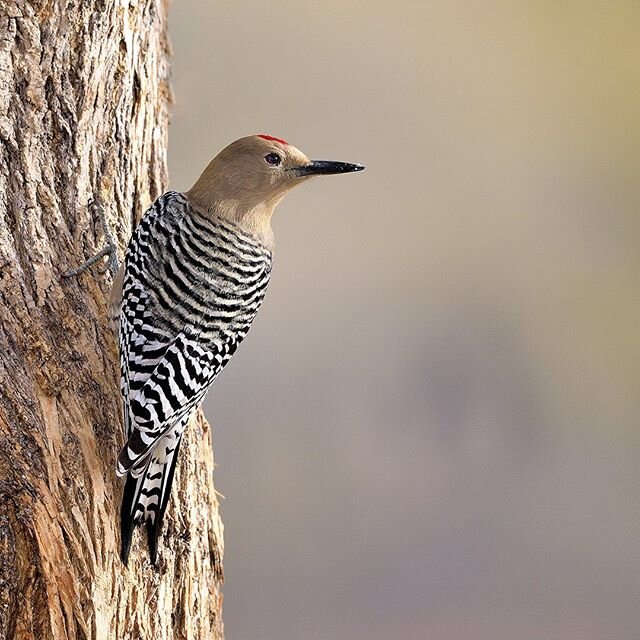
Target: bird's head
{"points": [[249, 177]]}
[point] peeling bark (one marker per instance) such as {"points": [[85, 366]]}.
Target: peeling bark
{"points": [[84, 99]]}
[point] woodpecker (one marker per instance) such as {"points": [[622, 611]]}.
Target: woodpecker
{"points": [[194, 276]]}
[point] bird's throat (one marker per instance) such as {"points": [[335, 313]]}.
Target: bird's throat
{"points": [[253, 219]]}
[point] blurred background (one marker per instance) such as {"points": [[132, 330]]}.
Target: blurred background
{"points": [[432, 430]]}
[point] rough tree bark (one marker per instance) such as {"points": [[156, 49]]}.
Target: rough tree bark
{"points": [[83, 117]]}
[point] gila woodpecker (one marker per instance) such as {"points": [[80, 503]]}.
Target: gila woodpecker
{"points": [[194, 276]]}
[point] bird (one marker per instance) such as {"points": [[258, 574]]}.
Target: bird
{"points": [[194, 275]]}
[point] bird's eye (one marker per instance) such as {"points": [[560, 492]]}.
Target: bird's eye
{"points": [[273, 159]]}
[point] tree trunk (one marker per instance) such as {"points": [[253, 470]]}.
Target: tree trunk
{"points": [[84, 99]]}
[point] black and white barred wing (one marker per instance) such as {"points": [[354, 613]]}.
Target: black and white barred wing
{"points": [[141, 349], [179, 381], [142, 343]]}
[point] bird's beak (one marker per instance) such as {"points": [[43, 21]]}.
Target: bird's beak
{"points": [[326, 167]]}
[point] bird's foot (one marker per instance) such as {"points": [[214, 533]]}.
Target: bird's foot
{"points": [[110, 249]]}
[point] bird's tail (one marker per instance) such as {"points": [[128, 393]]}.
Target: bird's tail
{"points": [[146, 493]]}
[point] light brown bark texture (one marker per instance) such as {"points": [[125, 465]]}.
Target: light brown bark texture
{"points": [[84, 100]]}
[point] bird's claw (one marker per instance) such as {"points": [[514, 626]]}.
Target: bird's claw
{"points": [[110, 249]]}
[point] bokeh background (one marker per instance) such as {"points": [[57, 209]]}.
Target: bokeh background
{"points": [[431, 431]]}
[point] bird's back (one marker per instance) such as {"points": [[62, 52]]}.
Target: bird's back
{"points": [[190, 275]]}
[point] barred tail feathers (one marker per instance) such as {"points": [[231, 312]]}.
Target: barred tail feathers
{"points": [[146, 494], [136, 452]]}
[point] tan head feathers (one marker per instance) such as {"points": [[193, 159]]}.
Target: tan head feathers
{"points": [[248, 178]]}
